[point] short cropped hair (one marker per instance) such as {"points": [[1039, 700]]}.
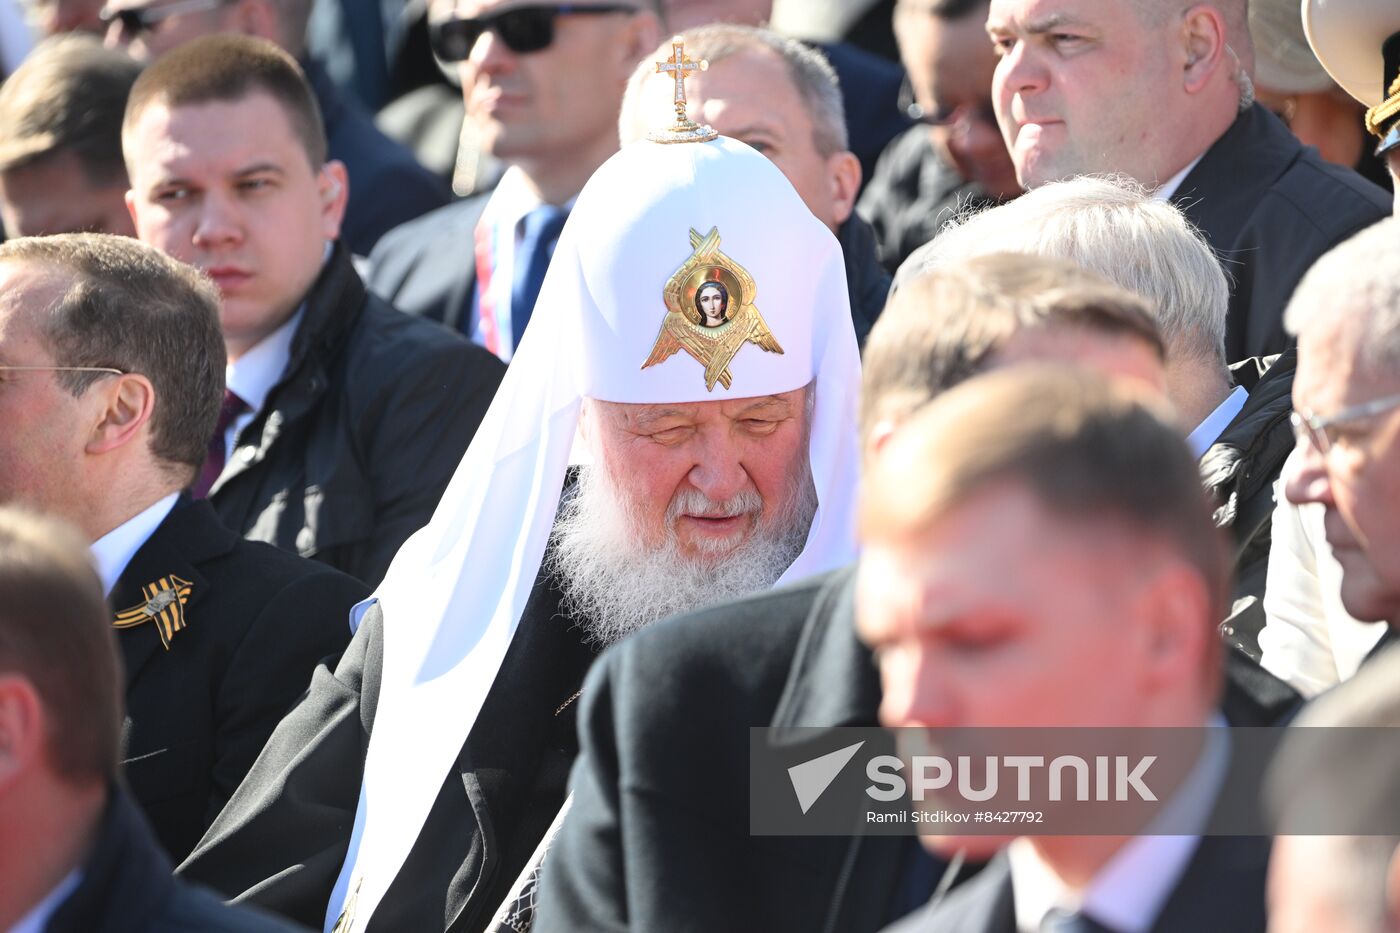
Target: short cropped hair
{"points": [[1088, 449], [55, 633], [1361, 276], [811, 74], [946, 325], [1114, 227], [228, 68], [128, 306], [68, 97]]}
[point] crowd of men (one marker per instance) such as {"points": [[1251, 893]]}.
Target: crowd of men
{"points": [[398, 542]]}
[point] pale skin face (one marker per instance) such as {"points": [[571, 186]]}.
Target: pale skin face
{"points": [[1356, 482], [1300, 898], [750, 97], [55, 196], [175, 30], [950, 67], [227, 187], [712, 305], [719, 448], [1002, 614], [1090, 87]]}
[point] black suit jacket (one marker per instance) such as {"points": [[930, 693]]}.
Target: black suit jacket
{"points": [[282, 840], [357, 441], [658, 835], [1222, 891], [257, 622], [127, 887], [428, 267], [1271, 207]]}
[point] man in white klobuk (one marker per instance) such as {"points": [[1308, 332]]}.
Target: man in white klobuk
{"points": [[714, 461]]}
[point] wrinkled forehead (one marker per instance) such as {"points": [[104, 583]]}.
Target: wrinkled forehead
{"points": [[794, 404]]}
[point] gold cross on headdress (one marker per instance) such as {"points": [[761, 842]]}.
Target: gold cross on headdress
{"points": [[684, 130]]}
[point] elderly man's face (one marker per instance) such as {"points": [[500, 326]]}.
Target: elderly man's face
{"points": [[950, 66], [227, 187], [545, 105], [171, 31], [42, 434], [1356, 481], [1079, 88], [708, 473]]}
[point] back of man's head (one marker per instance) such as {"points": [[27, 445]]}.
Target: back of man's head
{"points": [[64, 103], [950, 323], [222, 69], [56, 643], [128, 307]]}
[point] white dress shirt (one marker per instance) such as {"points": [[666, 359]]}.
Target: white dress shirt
{"points": [[114, 550], [37, 919], [252, 376], [1129, 892], [1165, 192], [503, 220], [1209, 431]]}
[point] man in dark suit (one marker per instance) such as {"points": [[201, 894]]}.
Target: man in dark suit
{"points": [[344, 419], [75, 854], [115, 384], [1185, 127], [791, 658], [547, 112], [387, 185]]}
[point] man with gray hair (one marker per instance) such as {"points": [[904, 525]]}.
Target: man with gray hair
{"points": [[1346, 315], [1185, 127], [1236, 417], [387, 185], [783, 99], [61, 168]]}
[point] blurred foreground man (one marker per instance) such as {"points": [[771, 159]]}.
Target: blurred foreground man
{"points": [[75, 854], [1186, 127], [110, 379], [410, 788], [1039, 554], [781, 98], [61, 168], [343, 418]]}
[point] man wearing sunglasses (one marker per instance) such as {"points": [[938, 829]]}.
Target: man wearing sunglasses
{"points": [[387, 185], [1347, 400], [543, 83]]}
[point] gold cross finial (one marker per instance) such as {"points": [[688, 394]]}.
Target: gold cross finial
{"points": [[684, 130]]}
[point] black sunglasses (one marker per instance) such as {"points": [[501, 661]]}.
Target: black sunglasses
{"points": [[522, 29], [137, 20]]}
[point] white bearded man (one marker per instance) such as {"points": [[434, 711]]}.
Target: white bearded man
{"points": [[411, 786]]}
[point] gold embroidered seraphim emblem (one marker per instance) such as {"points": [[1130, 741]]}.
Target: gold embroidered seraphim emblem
{"points": [[710, 312]]}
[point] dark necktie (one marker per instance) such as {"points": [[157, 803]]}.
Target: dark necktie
{"points": [[539, 234], [229, 411], [1059, 921]]}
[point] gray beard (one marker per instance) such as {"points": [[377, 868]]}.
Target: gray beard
{"points": [[614, 585]]}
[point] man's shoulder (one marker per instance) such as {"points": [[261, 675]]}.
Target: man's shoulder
{"points": [[982, 904], [191, 907], [449, 227], [1333, 198], [396, 346]]}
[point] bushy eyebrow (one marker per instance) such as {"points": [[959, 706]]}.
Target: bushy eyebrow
{"points": [[1047, 23]]}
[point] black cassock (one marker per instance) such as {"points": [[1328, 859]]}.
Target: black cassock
{"points": [[281, 841]]}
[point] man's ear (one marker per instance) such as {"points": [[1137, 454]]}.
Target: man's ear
{"points": [[1203, 44], [126, 406], [259, 18], [1173, 602], [131, 209], [334, 185], [638, 40], [21, 728], [843, 172]]}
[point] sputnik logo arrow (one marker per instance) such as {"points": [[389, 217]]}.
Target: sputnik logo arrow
{"points": [[811, 778]]}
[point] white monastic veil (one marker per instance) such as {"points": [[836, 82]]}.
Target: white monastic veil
{"points": [[456, 589]]}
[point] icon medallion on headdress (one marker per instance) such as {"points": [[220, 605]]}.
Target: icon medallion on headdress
{"points": [[710, 312]]}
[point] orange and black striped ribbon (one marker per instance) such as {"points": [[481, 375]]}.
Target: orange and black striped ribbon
{"points": [[165, 603]]}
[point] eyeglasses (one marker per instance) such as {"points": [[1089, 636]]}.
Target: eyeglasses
{"points": [[136, 20], [105, 370], [960, 118], [1319, 431], [523, 29]]}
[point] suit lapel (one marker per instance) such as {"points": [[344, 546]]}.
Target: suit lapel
{"points": [[1222, 888], [190, 535]]}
